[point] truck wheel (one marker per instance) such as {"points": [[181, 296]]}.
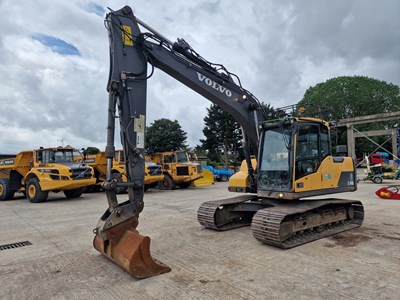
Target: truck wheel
{"points": [[377, 180], [75, 193], [34, 191], [185, 185], [224, 178], [5, 193], [96, 188], [118, 178], [167, 183], [88, 189]]}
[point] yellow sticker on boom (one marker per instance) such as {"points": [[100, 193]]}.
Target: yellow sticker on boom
{"points": [[127, 35]]}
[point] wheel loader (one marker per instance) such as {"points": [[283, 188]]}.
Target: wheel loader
{"points": [[294, 155]]}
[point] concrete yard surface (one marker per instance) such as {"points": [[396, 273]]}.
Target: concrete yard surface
{"points": [[61, 263]]}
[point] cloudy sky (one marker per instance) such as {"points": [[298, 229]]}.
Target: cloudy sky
{"points": [[54, 58]]}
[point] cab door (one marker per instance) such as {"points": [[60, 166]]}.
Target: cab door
{"points": [[169, 162], [311, 150]]}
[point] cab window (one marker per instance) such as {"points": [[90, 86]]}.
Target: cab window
{"points": [[312, 146], [182, 157], [169, 158]]}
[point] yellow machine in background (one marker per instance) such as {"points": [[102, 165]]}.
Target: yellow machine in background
{"points": [[177, 167], [207, 179], [153, 174], [99, 164], [153, 171], [37, 172]]}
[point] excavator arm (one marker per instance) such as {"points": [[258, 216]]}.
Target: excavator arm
{"points": [[131, 51]]}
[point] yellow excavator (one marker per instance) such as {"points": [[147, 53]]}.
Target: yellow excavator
{"points": [[294, 158]]}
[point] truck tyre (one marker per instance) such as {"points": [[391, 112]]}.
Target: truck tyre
{"points": [[5, 193], [167, 183], [75, 193], [185, 185], [224, 178], [377, 180], [118, 178], [34, 192], [94, 188], [88, 189]]}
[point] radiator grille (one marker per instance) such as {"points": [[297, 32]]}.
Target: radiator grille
{"points": [[180, 171], [155, 170], [81, 173]]}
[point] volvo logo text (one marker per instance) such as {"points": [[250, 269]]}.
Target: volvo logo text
{"points": [[214, 85]]}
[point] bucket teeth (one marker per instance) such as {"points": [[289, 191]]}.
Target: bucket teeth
{"points": [[130, 250]]}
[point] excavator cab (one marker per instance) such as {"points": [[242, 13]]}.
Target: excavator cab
{"points": [[295, 161]]}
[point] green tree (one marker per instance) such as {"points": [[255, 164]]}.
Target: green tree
{"points": [[346, 97], [271, 113], [92, 150], [222, 136], [165, 135]]}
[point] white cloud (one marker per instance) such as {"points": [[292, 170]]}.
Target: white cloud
{"points": [[277, 48]]}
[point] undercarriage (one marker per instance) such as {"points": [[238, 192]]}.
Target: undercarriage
{"points": [[283, 224]]}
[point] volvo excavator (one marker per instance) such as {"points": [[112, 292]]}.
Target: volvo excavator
{"points": [[294, 159]]}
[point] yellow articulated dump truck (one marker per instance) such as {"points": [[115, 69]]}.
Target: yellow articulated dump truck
{"points": [[153, 173], [36, 173], [99, 164], [177, 167]]}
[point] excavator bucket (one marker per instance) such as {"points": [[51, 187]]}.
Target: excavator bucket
{"points": [[130, 250]]}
